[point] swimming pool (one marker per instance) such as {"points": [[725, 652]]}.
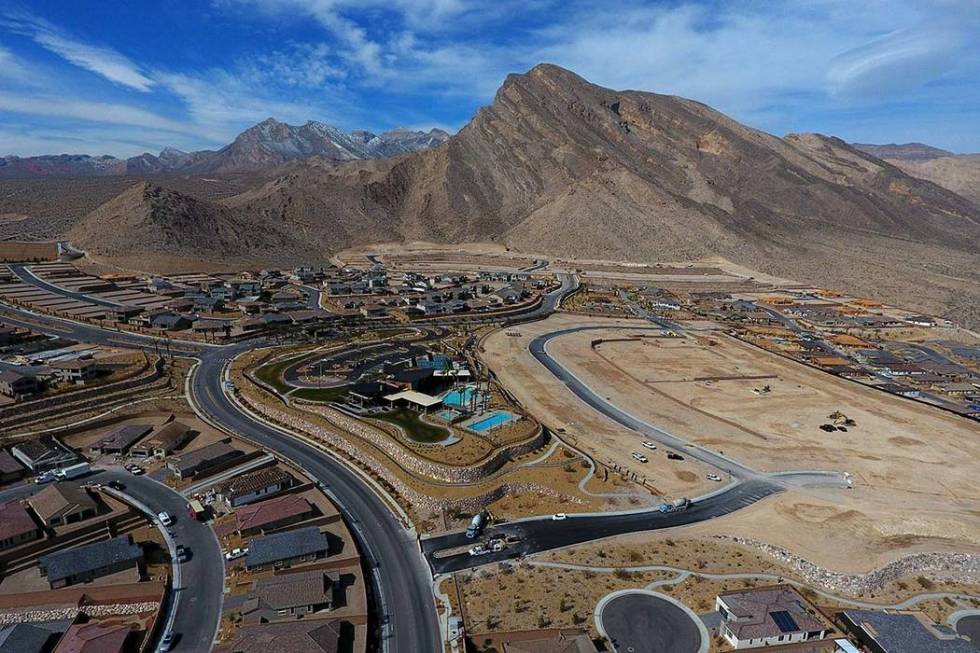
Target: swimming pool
{"points": [[494, 420], [462, 397], [447, 415]]}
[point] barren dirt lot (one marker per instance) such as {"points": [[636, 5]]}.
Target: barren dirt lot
{"points": [[915, 468]]}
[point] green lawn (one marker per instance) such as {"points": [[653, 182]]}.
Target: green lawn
{"points": [[415, 428], [323, 395], [272, 373]]}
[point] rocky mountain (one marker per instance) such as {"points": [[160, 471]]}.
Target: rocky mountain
{"points": [[903, 151], [558, 165], [959, 173], [261, 147]]}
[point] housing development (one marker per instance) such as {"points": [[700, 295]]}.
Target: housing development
{"points": [[416, 448]]}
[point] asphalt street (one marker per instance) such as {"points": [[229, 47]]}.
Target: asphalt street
{"points": [[24, 274], [648, 624], [203, 575], [970, 627], [542, 534]]}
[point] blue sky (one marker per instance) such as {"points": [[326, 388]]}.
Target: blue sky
{"points": [[126, 77]]}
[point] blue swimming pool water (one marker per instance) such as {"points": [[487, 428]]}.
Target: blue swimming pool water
{"points": [[461, 397], [492, 421]]}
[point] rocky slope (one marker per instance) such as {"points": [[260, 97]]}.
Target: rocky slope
{"points": [[261, 147], [959, 173], [556, 164]]}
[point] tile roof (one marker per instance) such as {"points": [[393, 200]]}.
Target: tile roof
{"points": [[9, 464], [94, 637], [61, 497], [296, 590], [769, 612], [906, 633], [168, 436], [28, 638], [559, 643], [295, 637], [284, 546], [206, 454], [91, 557], [271, 511], [124, 436], [15, 520], [257, 480]]}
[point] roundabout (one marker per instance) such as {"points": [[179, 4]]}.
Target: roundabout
{"points": [[642, 621]]}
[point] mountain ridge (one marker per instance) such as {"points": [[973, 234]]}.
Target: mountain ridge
{"points": [[263, 146]]}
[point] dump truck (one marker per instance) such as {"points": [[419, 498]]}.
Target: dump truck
{"points": [[476, 525], [677, 505]]}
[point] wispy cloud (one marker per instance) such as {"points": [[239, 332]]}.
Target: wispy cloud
{"points": [[98, 59]]}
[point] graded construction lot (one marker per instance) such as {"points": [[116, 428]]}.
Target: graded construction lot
{"points": [[915, 468]]}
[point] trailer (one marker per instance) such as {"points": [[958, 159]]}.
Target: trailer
{"points": [[196, 510], [73, 471]]}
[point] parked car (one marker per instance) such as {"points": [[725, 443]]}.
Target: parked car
{"points": [[165, 518], [479, 550], [236, 553], [117, 485], [675, 456], [639, 457], [137, 470], [46, 477], [714, 477], [166, 642], [649, 445], [559, 516]]}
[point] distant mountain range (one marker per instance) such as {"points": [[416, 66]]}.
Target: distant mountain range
{"points": [[264, 146], [560, 166]]}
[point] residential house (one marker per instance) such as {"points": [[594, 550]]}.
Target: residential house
{"points": [[305, 636], [121, 439], [17, 385], [293, 595], [43, 454], [201, 461], [62, 503], [31, 637], [282, 550], [254, 486], [17, 526], [10, 469], [85, 563], [168, 437], [77, 371], [901, 632], [272, 514], [533, 641], [96, 637], [767, 616]]}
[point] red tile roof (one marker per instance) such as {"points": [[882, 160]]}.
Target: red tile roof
{"points": [[271, 511], [15, 520], [94, 638]]}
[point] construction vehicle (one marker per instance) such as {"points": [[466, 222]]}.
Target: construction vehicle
{"points": [[677, 505], [476, 525]]}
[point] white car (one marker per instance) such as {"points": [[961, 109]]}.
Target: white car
{"points": [[649, 445], [236, 553], [137, 470], [639, 457], [165, 518], [166, 642], [559, 516], [714, 477], [479, 550]]}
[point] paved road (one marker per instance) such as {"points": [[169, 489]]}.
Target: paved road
{"points": [[644, 623], [970, 627], [24, 273], [203, 575], [542, 534], [407, 606]]}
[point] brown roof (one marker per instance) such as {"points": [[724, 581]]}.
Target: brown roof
{"points": [[15, 520], [271, 511], [94, 638], [755, 610], [252, 481], [59, 498], [295, 637], [296, 590], [560, 642], [9, 464], [168, 436]]}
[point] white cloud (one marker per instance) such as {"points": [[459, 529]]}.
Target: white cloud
{"points": [[98, 59]]}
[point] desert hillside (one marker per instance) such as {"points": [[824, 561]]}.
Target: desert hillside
{"points": [[557, 164]]}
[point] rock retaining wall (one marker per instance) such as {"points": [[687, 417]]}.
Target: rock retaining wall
{"points": [[959, 567]]}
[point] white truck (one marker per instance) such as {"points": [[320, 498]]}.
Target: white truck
{"points": [[73, 471], [677, 505], [476, 526]]}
